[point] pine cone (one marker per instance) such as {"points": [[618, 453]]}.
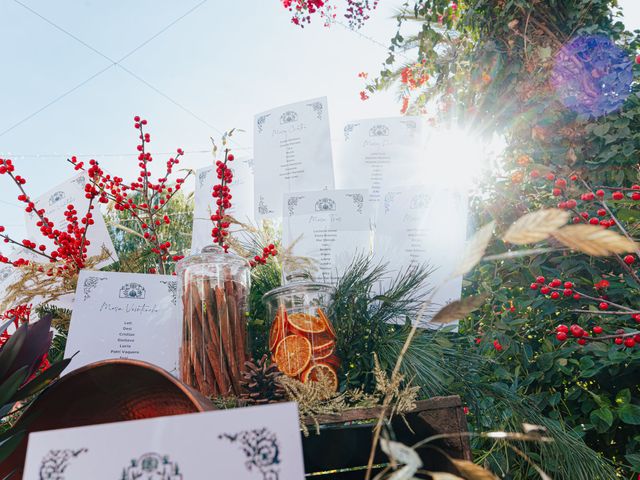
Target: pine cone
{"points": [[260, 383]]}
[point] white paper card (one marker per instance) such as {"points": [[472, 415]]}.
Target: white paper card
{"points": [[242, 205], [292, 151], [328, 226], [253, 443], [55, 202], [380, 153], [124, 315], [423, 225]]}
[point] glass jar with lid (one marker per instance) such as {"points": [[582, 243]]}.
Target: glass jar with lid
{"points": [[214, 345], [302, 339]]}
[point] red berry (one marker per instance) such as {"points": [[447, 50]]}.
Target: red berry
{"points": [[556, 282], [568, 285], [555, 295], [540, 279], [567, 292], [562, 328], [561, 183], [597, 329], [629, 259], [550, 176], [571, 203], [635, 195], [636, 317], [230, 157], [577, 296], [573, 178], [600, 193], [618, 341], [581, 341], [629, 342], [533, 286], [617, 195], [637, 58], [556, 192], [561, 336], [534, 174], [601, 212], [603, 306], [545, 290], [594, 221]]}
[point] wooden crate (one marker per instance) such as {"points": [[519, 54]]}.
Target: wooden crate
{"points": [[341, 450]]}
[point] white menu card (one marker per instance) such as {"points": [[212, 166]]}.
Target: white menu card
{"points": [[242, 205], [380, 153], [329, 226], [292, 151], [55, 202], [253, 443], [124, 315], [423, 225]]}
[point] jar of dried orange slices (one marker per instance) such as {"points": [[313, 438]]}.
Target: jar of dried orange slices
{"points": [[302, 340]]}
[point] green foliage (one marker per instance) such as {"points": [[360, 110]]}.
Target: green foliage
{"points": [[490, 63], [263, 279]]}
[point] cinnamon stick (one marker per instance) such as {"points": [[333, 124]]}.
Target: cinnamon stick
{"points": [[212, 337], [226, 335], [203, 374]]}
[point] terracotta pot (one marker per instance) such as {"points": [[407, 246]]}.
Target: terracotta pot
{"points": [[104, 392]]}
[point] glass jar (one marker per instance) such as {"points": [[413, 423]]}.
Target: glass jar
{"points": [[302, 339], [214, 346]]}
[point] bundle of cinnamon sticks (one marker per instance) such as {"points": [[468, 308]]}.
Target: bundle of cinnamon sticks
{"points": [[214, 335]]}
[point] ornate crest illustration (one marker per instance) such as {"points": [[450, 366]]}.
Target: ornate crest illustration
{"points": [[420, 201], [89, 284], [288, 117], [152, 466], [55, 463], [172, 286], [4, 273], [379, 131], [318, 108], [325, 205], [80, 181], [263, 209], [260, 121], [202, 176], [292, 203], [348, 130], [132, 290], [358, 200], [56, 197], [261, 449]]}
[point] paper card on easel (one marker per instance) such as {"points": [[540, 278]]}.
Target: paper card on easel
{"points": [[253, 443], [124, 315]]}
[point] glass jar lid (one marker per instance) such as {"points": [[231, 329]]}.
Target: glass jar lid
{"points": [[298, 283], [212, 254]]}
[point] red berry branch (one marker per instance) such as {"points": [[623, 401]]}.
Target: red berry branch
{"points": [[144, 199], [357, 12], [70, 243]]}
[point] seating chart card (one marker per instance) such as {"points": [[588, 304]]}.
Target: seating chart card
{"points": [[292, 151], [55, 203], [242, 207], [252, 443], [423, 225], [124, 315], [329, 226], [377, 154]]}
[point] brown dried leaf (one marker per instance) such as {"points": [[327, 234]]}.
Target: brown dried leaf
{"points": [[594, 240], [474, 249], [444, 476], [536, 226], [458, 309], [471, 471]]}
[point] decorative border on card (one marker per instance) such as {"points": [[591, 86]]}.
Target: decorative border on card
{"points": [[55, 463], [260, 121], [152, 465], [89, 284], [56, 197], [318, 109], [202, 177], [261, 448], [80, 181], [358, 200], [388, 200], [292, 204], [5, 273], [172, 286], [348, 130], [263, 208]]}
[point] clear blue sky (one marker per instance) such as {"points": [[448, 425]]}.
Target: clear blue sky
{"points": [[224, 62]]}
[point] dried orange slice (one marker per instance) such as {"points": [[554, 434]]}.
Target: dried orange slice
{"points": [[321, 341], [333, 360], [326, 352], [278, 328], [306, 324], [327, 323], [293, 354], [321, 371]]}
